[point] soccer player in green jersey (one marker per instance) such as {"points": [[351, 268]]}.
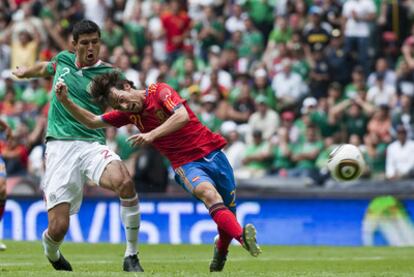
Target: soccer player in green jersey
{"points": [[75, 153]]}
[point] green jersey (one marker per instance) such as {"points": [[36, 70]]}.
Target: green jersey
{"points": [[61, 124]]}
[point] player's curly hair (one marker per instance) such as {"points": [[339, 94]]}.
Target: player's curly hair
{"points": [[101, 86]]}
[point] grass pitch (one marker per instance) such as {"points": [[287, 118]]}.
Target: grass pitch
{"points": [[26, 259]]}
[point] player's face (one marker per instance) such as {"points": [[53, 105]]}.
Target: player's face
{"points": [[87, 49], [125, 100]]}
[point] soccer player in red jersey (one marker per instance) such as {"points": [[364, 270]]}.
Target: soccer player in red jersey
{"points": [[165, 120]]}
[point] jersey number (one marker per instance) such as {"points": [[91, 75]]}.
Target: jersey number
{"points": [[136, 119], [233, 201], [106, 154]]}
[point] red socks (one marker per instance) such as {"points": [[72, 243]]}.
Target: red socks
{"points": [[227, 224], [2, 205], [223, 242]]}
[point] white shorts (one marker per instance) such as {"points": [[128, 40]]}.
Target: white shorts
{"points": [[68, 165]]}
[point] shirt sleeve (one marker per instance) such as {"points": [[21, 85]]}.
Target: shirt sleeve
{"points": [[168, 97], [116, 118], [51, 67]]}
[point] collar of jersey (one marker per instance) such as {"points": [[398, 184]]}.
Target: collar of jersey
{"points": [[86, 67]]}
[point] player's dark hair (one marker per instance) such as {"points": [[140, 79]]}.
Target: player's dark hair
{"points": [[101, 86], [85, 27]]}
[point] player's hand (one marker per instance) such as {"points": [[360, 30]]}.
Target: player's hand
{"points": [[141, 139], [61, 91], [19, 72]]}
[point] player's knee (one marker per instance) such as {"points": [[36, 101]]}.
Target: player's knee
{"points": [[207, 194], [125, 187], [57, 228]]}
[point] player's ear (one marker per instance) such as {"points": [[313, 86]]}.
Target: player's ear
{"points": [[74, 44], [127, 86]]}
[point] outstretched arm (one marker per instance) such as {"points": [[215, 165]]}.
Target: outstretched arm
{"points": [[37, 70], [85, 117], [175, 122]]}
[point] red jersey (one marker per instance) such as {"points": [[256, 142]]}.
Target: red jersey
{"points": [[175, 25], [190, 143]]}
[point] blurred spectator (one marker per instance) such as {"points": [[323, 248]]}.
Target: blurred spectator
{"points": [[188, 64], [331, 12], [207, 114], [10, 85], [339, 60], [134, 30], [404, 115], [375, 151], [130, 73], [288, 122], [176, 25], [219, 91], [235, 22], [305, 154], [353, 116], [36, 93], [230, 61], [380, 124], [151, 170], [408, 50], [256, 158], [96, 10], [394, 18], [382, 93], [282, 151], [156, 33], [261, 13], [262, 86], [319, 75], [400, 160], [210, 31], [24, 49], [235, 147], [323, 118], [357, 84], [317, 31], [288, 86], [264, 120], [111, 34], [405, 79], [252, 43], [15, 155], [243, 106], [381, 69], [298, 14], [323, 157], [281, 32], [358, 16], [224, 78]]}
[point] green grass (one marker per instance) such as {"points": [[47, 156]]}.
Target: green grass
{"points": [[26, 259]]}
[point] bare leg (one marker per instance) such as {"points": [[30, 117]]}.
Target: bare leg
{"points": [[116, 178]]}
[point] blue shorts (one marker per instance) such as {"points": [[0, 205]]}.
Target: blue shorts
{"points": [[213, 168], [3, 173]]}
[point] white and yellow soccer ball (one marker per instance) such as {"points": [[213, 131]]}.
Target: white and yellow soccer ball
{"points": [[346, 163]]}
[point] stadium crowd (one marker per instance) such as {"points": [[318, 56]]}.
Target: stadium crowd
{"points": [[283, 80]]}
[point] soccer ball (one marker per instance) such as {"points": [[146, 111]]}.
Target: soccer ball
{"points": [[346, 163]]}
